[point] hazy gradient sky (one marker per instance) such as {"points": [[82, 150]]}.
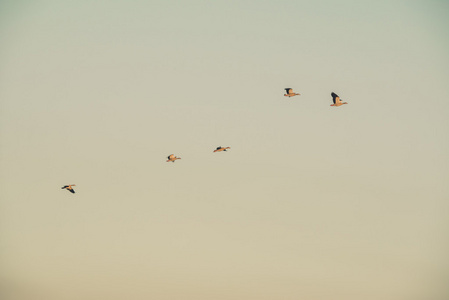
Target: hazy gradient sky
{"points": [[312, 202]]}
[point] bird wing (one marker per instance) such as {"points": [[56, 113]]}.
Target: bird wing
{"points": [[335, 98], [170, 156], [218, 148], [72, 191], [65, 186], [288, 90]]}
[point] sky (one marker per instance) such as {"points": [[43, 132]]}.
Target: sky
{"points": [[311, 202]]}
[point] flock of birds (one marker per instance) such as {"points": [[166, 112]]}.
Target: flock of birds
{"points": [[172, 158], [335, 98]]}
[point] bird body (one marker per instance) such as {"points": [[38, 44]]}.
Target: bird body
{"points": [[69, 188], [290, 93], [337, 100], [219, 149], [172, 158]]}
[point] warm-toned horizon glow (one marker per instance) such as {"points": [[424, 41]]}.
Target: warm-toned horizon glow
{"points": [[310, 202]]}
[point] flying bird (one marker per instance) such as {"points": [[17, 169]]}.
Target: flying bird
{"points": [[172, 158], [337, 100], [290, 93], [69, 188], [219, 149]]}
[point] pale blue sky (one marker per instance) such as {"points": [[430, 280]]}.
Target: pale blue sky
{"points": [[312, 201]]}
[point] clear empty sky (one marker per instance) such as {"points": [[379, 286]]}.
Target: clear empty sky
{"points": [[312, 202]]}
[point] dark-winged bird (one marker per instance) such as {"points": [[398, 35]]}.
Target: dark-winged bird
{"points": [[290, 93], [219, 149], [69, 188], [337, 100], [172, 158]]}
